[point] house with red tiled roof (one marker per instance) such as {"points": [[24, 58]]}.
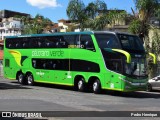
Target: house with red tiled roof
{"points": [[64, 26]]}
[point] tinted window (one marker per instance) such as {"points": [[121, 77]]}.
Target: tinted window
{"points": [[113, 60], [107, 41], [86, 42], [63, 64], [7, 63], [71, 40], [63, 41], [36, 42], [131, 42], [51, 64]]}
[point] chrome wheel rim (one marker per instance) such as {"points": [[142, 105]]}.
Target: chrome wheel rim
{"points": [[80, 83], [95, 85], [30, 79], [20, 78]]}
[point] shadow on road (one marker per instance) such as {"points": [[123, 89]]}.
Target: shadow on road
{"points": [[61, 87], [4, 86], [154, 94], [139, 94]]}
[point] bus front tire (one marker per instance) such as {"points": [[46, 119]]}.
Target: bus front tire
{"points": [[21, 78], [149, 88], [96, 86], [30, 80]]}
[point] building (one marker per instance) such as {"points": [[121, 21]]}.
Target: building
{"points": [[10, 27], [118, 23], [10, 23], [9, 13], [64, 26]]}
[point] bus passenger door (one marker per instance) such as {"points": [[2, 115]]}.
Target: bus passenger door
{"points": [[115, 74]]}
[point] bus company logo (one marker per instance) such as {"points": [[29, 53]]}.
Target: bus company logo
{"points": [[21, 115], [40, 53], [58, 53], [6, 114], [44, 53]]}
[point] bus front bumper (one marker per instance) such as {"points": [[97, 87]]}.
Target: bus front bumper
{"points": [[135, 85]]}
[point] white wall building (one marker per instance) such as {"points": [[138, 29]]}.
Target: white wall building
{"points": [[10, 27], [62, 25]]}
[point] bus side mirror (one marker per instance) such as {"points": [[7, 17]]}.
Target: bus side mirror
{"points": [[152, 59]]}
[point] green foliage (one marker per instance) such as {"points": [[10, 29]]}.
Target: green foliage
{"points": [[155, 42], [141, 25], [135, 26], [148, 5], [76, 11], [86, 15], [115, 15], [100, 23], [35, 25]]}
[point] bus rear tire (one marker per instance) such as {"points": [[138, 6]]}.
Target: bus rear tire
{"points": [[30, 79], [21, 78], [81, 84], [96, 87]]}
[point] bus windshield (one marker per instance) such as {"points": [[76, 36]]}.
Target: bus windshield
{"points": [[131, 43], [136, 68]]}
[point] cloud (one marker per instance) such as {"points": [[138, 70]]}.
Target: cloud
{"points": [[43, 3]]}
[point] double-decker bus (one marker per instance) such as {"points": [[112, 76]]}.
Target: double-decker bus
{"points": [[85, 60]]}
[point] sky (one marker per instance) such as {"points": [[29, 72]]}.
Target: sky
{"points": [[56, 9]]}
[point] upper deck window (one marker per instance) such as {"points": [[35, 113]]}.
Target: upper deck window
{"points": [[107, 41], [131, 43], [59, 41]]}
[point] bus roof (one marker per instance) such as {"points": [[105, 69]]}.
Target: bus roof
{"points": [[68, 33], [52, 34], [113, 32]]}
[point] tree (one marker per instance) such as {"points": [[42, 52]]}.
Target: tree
{"points": [[36, 25], [86, 16], [146, 9], [141, 26], [116, 16], [96, 12], [76, 12]]}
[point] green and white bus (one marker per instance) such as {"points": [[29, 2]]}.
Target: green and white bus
{"points": [[85, 60]]}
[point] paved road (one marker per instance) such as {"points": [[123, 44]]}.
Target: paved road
{"points": [[14, 97]]}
